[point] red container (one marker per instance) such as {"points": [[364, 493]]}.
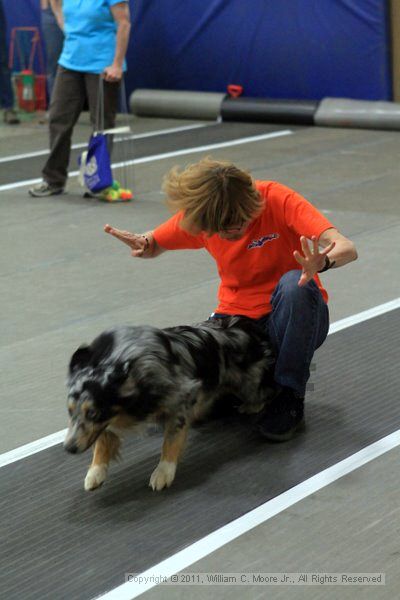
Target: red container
{"points": [[31, 91], [25, 83], [30, 87], [40, 92]]}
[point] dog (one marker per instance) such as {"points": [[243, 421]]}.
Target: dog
{"points": [[134, 375]]}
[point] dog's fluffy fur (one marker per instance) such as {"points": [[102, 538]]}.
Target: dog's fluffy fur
{"points": [[134, 375]]}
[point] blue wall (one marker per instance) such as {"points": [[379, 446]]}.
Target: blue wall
{"points": [[23, 13], [278, 48]]}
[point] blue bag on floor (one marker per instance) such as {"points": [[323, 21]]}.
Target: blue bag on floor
{"points": [[95, 164]]}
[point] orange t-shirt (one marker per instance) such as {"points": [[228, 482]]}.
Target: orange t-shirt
{"points": [[251, 267]]}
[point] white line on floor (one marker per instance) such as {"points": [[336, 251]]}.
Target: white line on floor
{"points": [[222, 536], [139, 136], [155, 157], [32, 448], [365, 315]]}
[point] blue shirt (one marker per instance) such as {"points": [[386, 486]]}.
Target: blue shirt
{"points": [[90, 35]]}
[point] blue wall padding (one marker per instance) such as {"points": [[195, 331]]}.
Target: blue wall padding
{"points": [[23, 13], [305, 49], [278, 48]]}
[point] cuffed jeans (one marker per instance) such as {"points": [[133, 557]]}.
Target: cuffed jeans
{"points": [[297, 326], [71, 88]]}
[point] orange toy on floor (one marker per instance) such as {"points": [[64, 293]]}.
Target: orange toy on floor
{"points": [[115, 193]]}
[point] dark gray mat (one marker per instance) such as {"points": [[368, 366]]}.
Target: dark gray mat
{"points": [[268, 110], [30, 168], [60, 542]]}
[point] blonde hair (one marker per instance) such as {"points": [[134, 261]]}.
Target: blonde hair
{"points": [[212, 194]]}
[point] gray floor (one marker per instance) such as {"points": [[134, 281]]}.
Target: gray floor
{"points": [[63, 280]]}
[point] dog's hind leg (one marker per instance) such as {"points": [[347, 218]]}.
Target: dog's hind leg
{"points": [[105, 449], [175, 435]]}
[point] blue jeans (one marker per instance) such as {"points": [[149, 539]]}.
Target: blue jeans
{"points": [[297, 326], [6, 91]]}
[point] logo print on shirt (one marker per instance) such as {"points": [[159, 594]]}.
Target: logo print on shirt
{"points": [[262, 240]]}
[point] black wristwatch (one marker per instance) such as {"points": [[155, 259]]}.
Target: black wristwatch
{"points": [[328, 264]]}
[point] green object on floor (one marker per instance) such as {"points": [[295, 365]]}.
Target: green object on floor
{"points": [[115, 193]]}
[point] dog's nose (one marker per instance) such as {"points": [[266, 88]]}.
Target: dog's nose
{"points": [[71, 447]]}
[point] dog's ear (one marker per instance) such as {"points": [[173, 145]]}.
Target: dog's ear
{"points": [[80, 358]]}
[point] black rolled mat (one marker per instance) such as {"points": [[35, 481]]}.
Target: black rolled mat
{"points": [[266, 110], [59, 542]]}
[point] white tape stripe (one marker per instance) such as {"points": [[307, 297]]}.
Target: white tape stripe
{"points": [[32, 448], [261, 514], [139, 136], [145, 159], [56, 438], [26, 182], [365, 315]]}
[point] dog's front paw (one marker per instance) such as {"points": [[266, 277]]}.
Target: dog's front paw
{"points": [[95, 477], [163, 475]]}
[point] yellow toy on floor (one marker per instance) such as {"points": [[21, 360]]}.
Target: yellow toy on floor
{"points": [[115, 193]]}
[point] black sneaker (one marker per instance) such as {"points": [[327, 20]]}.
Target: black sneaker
{"points": [[43, 189], [280, 419]]}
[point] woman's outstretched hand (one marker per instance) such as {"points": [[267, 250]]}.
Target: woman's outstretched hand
{"points": [[136, 242]]}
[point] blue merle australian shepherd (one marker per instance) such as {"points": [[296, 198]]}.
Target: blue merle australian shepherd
{"points": [[134, 375]]}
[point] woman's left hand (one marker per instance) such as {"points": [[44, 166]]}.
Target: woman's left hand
{"points": [[112, 73], [313, 259]]}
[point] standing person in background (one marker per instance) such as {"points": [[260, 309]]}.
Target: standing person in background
{"points": [[53, 40], [6, 92], [96, 39]]}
